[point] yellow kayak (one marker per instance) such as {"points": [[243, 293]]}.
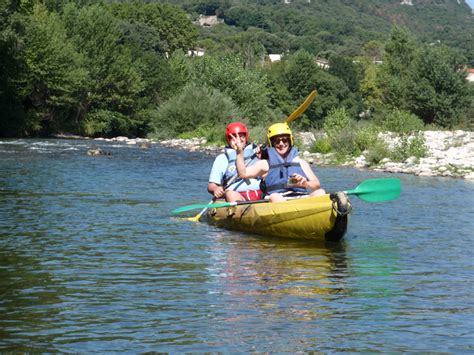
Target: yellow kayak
{"points": [[313, 218]]}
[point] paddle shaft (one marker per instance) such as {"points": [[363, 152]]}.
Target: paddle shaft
{"points": [[372, 190]]}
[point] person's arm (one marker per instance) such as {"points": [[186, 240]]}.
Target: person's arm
{"points": [[248, 172], [214, 186], [311, 182], [216, 190]]}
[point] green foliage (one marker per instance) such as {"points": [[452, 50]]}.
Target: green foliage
{"points": [[410, 146], [440, 93], [377, 152], [100, 122], [345, 143], [366, 136], [399, 121], [322, 145], [164, 23], [245, 87], [395, 72], [212, 133], [103, 68], [339, 127], [196, 106], [53, 79], [258, 134], [337, 120], [372, 93], [345, 69]]}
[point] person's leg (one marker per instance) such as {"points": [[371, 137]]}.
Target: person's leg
{"points": [[276, 197], [318, 192], [231, 196]]}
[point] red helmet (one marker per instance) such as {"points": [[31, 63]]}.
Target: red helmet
{"points": [[236, 128]]}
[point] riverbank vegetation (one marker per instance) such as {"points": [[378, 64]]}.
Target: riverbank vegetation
{"points": [[122, 68]]}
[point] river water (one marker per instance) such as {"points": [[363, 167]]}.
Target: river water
{"points": [[92, 261]]}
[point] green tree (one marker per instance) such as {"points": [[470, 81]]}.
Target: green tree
{"points": [[344, 68], [302, 76], [246, 87], [439, 90], [115, 80], [165, 24], [11, 108], [299, 74], [196, 106], [394, 76], [52, 80], [371, 92]]}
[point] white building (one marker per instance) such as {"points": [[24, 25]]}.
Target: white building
{"points": [[275, 57], [470, 75]]}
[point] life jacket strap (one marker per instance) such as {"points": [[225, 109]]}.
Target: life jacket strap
{"points": [[285, 164]]}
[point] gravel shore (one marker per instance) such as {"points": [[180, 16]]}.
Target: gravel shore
{"points": [[450, 154]]}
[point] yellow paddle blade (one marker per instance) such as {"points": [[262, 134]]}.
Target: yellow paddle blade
{"points": [[195, 218], [302, 108]]}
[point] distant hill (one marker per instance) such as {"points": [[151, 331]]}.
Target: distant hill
{"points": [[340, 26]]}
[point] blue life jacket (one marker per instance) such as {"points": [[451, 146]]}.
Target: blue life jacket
{"points": [[230, 175], [280, 170]]}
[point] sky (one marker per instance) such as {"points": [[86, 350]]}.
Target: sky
{"points": [[470, 3]]}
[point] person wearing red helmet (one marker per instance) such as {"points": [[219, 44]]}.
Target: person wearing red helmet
{"points": [[223, 180]]}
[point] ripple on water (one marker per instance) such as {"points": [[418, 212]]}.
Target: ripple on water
{"points": [[91, 260]]}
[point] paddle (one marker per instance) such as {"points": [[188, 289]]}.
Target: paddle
{"points": [[372, 190], [377, 190], [302, 108], [294, 115], [198, 216]]}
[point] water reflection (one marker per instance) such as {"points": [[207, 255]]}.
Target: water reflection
{"points": [[29, 298], [278, 274]]}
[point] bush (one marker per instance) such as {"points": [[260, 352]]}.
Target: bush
{"points": [[339, 127], [345, 143], [196, 106], [322, 146], [213, 134], [258, 134], [337, 120], [410, 146], [399, 122], [366, 137], [106, 123], [377, 152]]}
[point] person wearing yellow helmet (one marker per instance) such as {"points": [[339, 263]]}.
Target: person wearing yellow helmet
{"points": [[285, 173]]}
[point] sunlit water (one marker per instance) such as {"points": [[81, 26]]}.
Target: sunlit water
{"points": [[91, 260]]}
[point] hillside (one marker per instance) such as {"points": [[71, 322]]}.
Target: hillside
{"points": [[339, 26]]}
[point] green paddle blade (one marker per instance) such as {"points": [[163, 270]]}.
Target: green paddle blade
{"points": [[377, 190], [196, 206]]}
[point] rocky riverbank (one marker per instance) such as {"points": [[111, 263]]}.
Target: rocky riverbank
{"points": [[450, 154]]}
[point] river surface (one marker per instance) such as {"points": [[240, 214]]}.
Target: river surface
{"points": [[91, 260]]}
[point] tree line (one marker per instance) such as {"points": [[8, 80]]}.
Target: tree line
{"points": [[122, 68]]}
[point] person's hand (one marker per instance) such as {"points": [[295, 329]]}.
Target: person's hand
{"points": [[218, 192], [236, 143], [299, 180]]}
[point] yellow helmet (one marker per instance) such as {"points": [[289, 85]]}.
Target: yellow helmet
{"points": [[276, 130]]}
